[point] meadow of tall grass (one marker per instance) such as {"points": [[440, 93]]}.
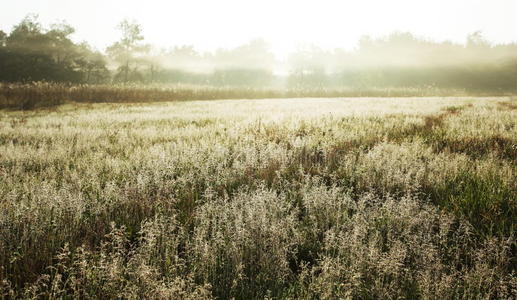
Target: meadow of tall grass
{"points": [[370, 198], [45, 94]]}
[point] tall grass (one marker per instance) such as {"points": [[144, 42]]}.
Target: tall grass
{"points": [[250, 199], [42, 94]]}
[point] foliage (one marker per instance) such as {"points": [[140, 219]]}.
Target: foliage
{"points": [[124, 52], [31, 53], [398, 61]]}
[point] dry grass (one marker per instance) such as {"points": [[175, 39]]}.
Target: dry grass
{"points": [[42, 94], [248, 199]]}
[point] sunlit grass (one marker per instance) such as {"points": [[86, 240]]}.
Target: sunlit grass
{"points": [[282, 198]]}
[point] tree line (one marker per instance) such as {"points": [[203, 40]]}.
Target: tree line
{"points": [[31, 52]]}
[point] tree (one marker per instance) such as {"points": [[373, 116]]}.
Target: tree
{"points": [[476, 40], [61, 47], [3, 38], [33, 53], [124, 52], [27, 36], [92, 65]]}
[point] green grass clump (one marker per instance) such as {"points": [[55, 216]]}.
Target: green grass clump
{"points": [[488, 204]]}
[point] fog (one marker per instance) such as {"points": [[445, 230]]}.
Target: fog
{"points": [[209, 25], [33, 51]]}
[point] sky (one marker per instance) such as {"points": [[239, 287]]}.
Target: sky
{"points": [[285, 25]]}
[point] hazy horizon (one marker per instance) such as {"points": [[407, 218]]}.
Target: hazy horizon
{"points": [[209, 26]]}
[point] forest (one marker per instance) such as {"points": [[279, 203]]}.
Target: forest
{"points": [[32, 52]]}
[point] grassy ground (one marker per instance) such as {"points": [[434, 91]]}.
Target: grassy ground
{"points": [[294, 199], [19, 96]]}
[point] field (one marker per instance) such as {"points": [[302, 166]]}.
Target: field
{"points": [[359, 198], [46, 94]]}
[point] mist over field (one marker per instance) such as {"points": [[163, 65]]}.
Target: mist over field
{"points": [[258, 149], [33, 52]]}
